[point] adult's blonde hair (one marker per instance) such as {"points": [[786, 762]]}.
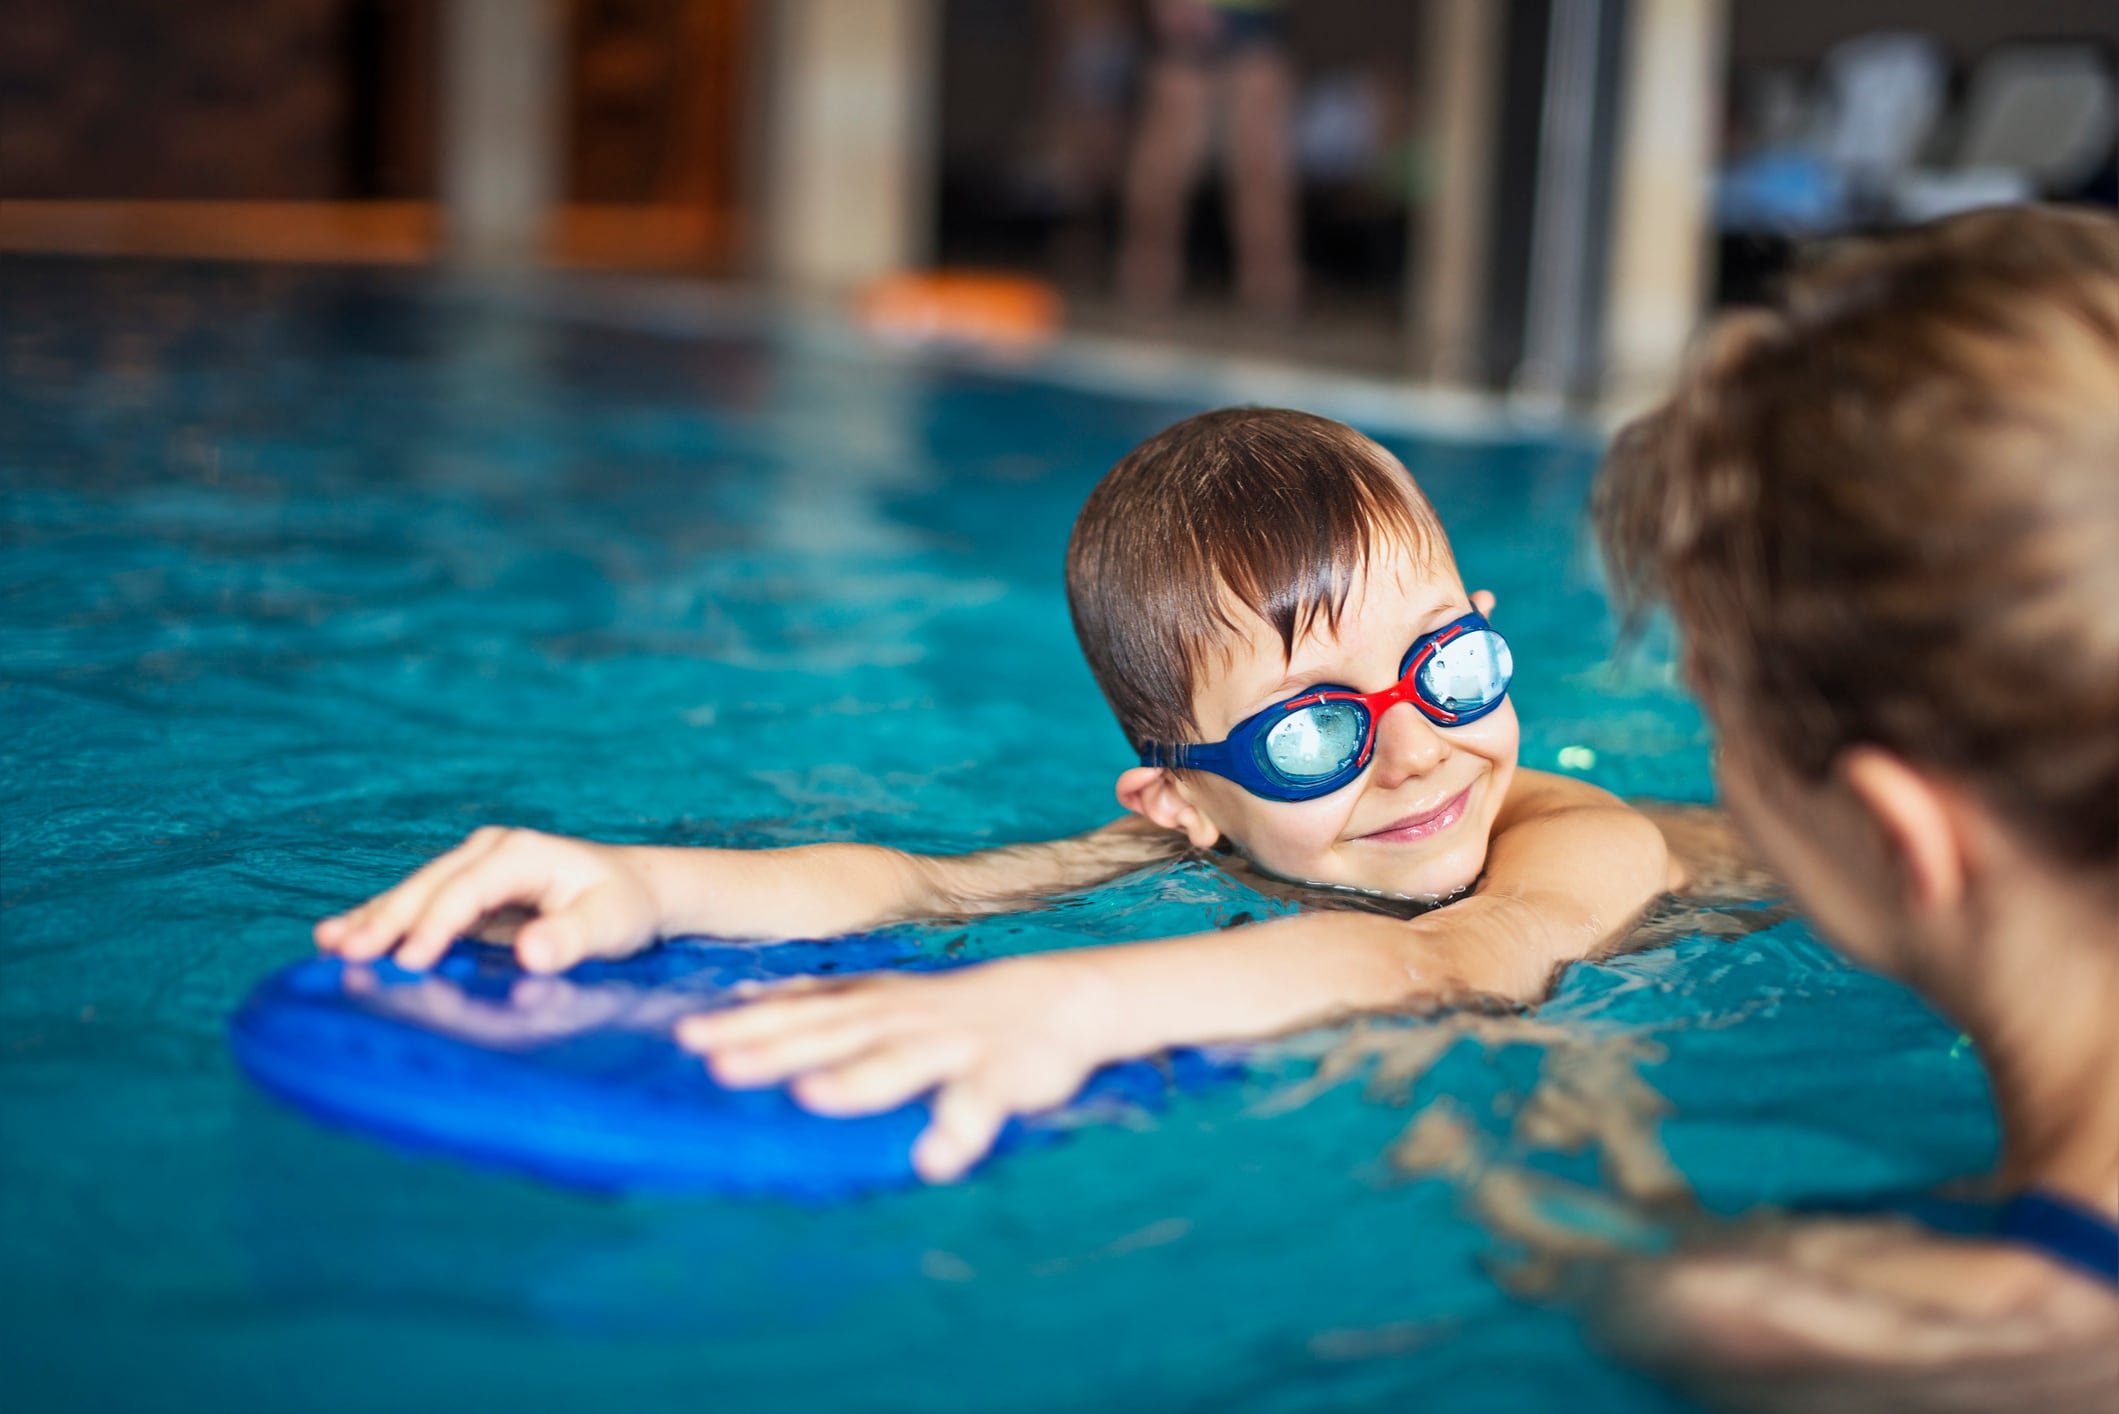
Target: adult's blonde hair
{"points": [[1887, 512]]}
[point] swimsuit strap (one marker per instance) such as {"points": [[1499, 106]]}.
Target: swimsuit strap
{"points": [[2064, 1230]]}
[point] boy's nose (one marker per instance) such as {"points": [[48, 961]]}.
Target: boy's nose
{"points": [[1407, 745]]}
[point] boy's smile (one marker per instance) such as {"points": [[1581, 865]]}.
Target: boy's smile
{"points": [[1424, 824], [1416, 821]]}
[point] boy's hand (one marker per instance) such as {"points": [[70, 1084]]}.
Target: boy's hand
{"points": [[994, 1040], [591, 900], [597, 900]]}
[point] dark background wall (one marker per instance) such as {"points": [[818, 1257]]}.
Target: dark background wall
{"points": [[207, 99], [337, 100], [1799, 31]]}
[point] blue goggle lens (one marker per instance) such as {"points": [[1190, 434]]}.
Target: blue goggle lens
{"points": [[1469, 672], [1316, 743]]}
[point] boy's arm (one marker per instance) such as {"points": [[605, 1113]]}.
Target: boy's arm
{"points": [[1568, 872], [598, 900], [818, 891]]}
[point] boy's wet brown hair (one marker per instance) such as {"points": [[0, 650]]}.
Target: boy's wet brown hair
{"points": [[1887, 513], [1276, 511]]}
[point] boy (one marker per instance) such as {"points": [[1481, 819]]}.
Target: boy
{"points": [[1259, 593]]}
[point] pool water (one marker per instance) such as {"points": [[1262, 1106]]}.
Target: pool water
{"points": [[306, 575]]}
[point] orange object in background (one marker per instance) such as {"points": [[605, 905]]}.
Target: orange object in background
{"points": [[960, 307]]}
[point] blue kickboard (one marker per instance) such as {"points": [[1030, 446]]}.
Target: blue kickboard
{"points": [[576, 1078]]}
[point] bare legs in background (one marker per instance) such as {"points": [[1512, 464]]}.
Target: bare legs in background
{"points": [[1205, 55]]}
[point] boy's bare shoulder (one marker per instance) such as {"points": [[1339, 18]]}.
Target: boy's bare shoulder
{"points": [[1711, 859], [1535, 793], [1872, 1314]]}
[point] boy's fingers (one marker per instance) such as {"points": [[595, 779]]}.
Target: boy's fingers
{"points": [[781, 1010], [593, 925], [374, 928], [752, 989], [774, 1059], [884, 1078], [1483, 601], [503, 875], [551, 942], [964, 1126]]}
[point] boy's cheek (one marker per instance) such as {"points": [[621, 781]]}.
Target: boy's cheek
{"points": [[1288, 837], [1499, 736]]}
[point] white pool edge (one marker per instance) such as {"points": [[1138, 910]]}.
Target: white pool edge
{"points": [[1132, 368]]}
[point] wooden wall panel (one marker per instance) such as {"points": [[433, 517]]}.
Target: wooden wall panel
{"points": [[307, 129]]}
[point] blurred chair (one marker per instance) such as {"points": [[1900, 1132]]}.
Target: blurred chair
{"points": [[1878, 103], [2039, 120], [1883, 95]]}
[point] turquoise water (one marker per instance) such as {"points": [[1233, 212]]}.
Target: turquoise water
{"points": [[307, 575]]}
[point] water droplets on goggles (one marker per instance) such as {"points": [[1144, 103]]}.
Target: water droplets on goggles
{"points": [[1318, 741]]}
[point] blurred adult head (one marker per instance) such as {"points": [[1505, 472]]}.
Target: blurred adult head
{"points": [[1885, 515]]}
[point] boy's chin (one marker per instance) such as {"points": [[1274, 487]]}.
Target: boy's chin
{"points": [[1435, 890], [1433, 880]]}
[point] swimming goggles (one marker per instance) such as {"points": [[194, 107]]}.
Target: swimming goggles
{"points": [[1319, 741]]}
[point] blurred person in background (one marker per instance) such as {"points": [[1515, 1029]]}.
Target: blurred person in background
{"points": [[1885, 515], [1092, 50], [1208, 53]]}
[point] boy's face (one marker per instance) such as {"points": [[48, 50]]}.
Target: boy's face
{"points": [[1416, 821]]}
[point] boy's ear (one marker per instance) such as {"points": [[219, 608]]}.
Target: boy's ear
{"points": [[1917, 822], [1151, 793], [1483, 601]]}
